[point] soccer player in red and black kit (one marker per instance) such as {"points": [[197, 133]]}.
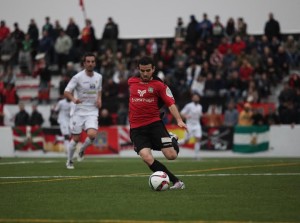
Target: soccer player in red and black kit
{"points": [[147, 131]]}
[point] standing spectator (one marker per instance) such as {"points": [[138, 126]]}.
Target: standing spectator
{"points": [[88, 38], [4, 31], [180, 32], [241, 28], [192, 113], [192, 72], [213, 117], [62, 48], [238, 46], [293, 50], [105, 118], [191, 32], [217, 30], [231, 115], [48, 27], [33, 32], [245, 116], [205, 28], [198, 86], [258, 117], [19, 36], [46, 46], [110, 35], [22, 117], [25, 55], [73, 30], [272, 28], [10, 94], [56, 30], [36, 118], [8, 52], [230, 29]]}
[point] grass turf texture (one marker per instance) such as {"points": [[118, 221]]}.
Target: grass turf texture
{"points": [[116, 190]]}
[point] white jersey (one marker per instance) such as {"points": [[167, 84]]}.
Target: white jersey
{"points": [[63, 107], [86, 89], [193, 113]]}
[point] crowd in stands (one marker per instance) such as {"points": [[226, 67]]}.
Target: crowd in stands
{"points": [[221, 62]]}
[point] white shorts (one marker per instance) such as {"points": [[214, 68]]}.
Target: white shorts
{"points": [[65, 128], [194, 131], [79, 123]]}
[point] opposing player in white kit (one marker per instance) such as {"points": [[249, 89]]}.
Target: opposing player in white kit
{"points": [[85, 91], [63, 108], [192, 113]]}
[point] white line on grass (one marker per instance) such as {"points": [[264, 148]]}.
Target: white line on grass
{"points": [[144, 175]]}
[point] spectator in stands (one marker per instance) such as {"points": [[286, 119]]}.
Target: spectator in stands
{"points": [[46, 47], [283, 63], [4, 31], [33, 32], [217, 30], [10, 94], [292, 49], [25, 55], [43, 71], [210, 86], [88, 38], [230, 29], [272, 117], [288, 113], [19, 36], [294, 81], [73, 30], [234, 86], [56, 30], [63, 84], [241, 28], [192, 72], [62, 46], [198, 86], [258, 117], [105, 118], [22, 117], [246, 73], [122, 114], [110, 35], [36, 118], [264, 87], [272, 28], [224, 45], [251, 94], [53, 118], [191, 32], [231, 115], [245, 116], [8, 52], [48, 27], [287, 94], [213, 118], [238, 46], [216, 59], [180, 32], [205, 28]]}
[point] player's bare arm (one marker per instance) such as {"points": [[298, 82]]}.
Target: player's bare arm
{"points": [[174, 111], [70, 96], [99, 100]]}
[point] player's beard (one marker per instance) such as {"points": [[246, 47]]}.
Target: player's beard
{"points": [[146, 78]]}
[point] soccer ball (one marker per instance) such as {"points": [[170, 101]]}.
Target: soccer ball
{"points": [[159, 181]]}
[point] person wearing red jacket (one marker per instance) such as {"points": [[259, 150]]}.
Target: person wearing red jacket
{"points": [[147, 131]]}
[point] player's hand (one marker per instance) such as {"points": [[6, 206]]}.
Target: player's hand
{"points": [[181, 124], [76, 101], [99, 103]]}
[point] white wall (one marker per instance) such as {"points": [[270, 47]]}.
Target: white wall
{"points": [[155, 18]]}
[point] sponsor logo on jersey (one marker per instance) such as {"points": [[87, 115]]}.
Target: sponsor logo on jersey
{"points": [[92, 86], [141, 92]]}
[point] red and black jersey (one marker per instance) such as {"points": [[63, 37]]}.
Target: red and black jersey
{"points": [[145, 100]]}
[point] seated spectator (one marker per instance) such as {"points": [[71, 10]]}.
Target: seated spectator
{"points": [[105, 118], [231, 115], [258, 117], [36, 118], [272, 117], [22, 117], [10, 95], [210, 86], [245, 116], [198, 85]]}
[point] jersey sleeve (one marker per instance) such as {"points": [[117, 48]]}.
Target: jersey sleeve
{"points": [[166, 95], [72, 84]]}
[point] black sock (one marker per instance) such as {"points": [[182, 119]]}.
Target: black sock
{"points": [[175, 144], [158, 166]]}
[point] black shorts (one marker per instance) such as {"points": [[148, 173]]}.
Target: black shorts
{"points": [[154, 136]]}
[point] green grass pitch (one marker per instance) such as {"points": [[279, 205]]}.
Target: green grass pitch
{"points": [[116, 190]]}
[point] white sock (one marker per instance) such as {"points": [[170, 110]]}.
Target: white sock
{"points": [[197, 149], [71, 150], [86, 143], [66, 144]]}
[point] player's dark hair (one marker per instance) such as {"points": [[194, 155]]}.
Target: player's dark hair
{"points": [[88, 54], [146, 60]]}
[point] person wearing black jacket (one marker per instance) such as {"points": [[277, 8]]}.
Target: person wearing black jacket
{"points": [[36, 118], [22, 117]]}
